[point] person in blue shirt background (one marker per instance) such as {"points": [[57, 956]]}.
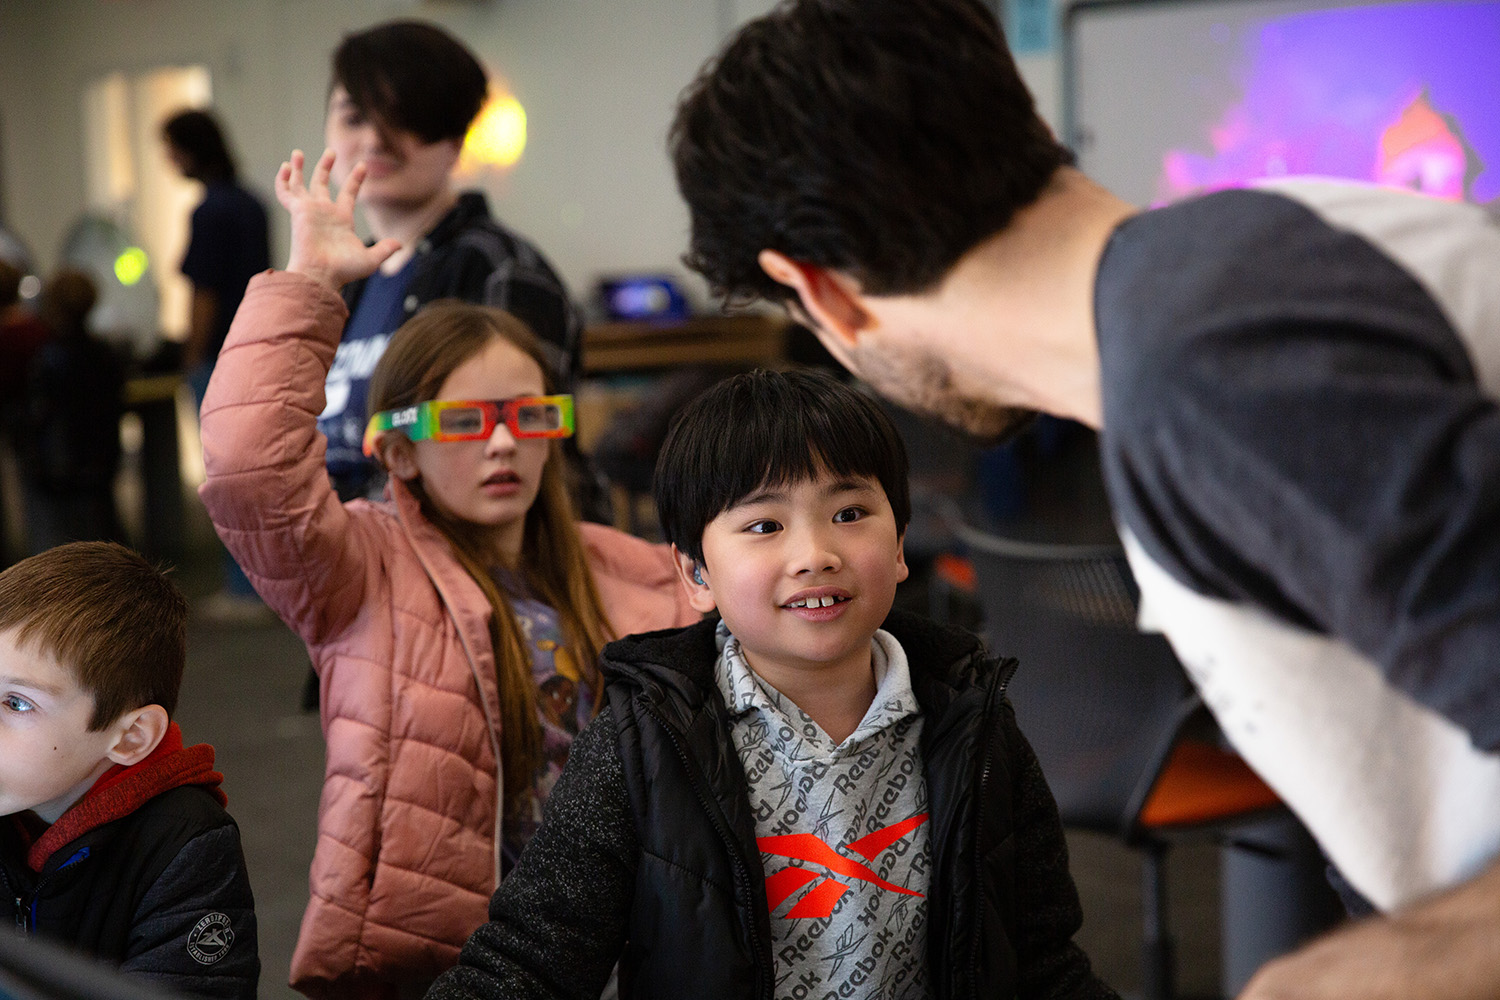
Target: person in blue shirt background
{"points": [[228, 244]]}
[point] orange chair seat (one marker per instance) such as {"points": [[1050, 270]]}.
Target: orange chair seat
{"points": [[956, 571], [1202, 783]]}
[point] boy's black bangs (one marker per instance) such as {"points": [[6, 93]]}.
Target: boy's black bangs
{"points": [[772, 429], [795, 453]]}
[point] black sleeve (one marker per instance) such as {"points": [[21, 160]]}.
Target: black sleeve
{"points": [[558, 922], [194, 932], [1345, 478], [1050, 966]]}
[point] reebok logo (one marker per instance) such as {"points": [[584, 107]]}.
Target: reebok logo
{"points": [[822, 897]]}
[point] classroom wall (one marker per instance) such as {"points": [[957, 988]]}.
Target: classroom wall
{"points": [[598, 79]]}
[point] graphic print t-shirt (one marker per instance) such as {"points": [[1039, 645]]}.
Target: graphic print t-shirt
{"points": [[565, 703], [842, 831], [380, 310]]}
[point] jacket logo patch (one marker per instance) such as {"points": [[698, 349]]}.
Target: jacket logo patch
{"points": [[210, 939], [821, 898]]}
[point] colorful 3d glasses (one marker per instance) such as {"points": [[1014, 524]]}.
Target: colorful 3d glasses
{"points": [[475, 419]]}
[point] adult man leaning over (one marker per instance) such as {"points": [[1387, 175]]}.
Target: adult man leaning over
{"points": [[1296, 388]]}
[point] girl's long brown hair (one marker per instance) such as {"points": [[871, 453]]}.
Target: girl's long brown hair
{"points": [[419, 359]]}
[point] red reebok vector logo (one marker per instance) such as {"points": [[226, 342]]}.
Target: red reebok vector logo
{"points": [[821, 898]]}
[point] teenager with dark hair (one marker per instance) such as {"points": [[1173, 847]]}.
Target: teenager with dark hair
{"points": [[401, 99], [807, 794], [1296, 386]]}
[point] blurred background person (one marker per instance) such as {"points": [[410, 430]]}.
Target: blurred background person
{"points": [[228, 244], [22, 333], [68, 431]]}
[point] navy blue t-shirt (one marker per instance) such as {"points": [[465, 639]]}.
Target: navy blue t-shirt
{"points": [[227, 246], [379, 313]]}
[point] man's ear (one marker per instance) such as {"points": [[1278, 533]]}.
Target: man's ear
{"points": [[139, 732], [397, 455], [694, 577], [831, 299]]}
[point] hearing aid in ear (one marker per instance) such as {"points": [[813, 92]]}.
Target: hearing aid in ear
{"points": [[698, 574]]}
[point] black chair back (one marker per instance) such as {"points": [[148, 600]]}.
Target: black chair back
{"points": [[1100, 702]]}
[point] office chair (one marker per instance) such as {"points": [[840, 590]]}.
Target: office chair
{"points": [[1105, 708]]}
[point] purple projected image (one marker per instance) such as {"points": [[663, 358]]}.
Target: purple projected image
{"points": [[1401, 94]]}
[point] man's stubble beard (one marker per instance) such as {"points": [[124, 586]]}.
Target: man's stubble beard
{"points": [[919, 381]]}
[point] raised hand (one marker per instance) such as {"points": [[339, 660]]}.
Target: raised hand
{"points": [[325, 246]]}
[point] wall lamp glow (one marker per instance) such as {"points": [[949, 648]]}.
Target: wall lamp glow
{"points": [[498, 136]]}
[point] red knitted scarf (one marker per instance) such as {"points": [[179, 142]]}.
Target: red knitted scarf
{"points": [[121, 790]]}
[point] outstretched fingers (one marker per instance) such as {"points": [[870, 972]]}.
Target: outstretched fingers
{"points": [[352, 184], [318, 184], [324, 245], [289, 179]]}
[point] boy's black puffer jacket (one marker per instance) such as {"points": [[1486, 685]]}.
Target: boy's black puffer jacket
{"points": [[162, 893], [649, 837]]}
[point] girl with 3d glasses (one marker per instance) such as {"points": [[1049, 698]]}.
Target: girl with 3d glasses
{"points": [[455, 626]]}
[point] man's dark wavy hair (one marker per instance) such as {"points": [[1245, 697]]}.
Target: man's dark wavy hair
{"points": [[881, 138], [771, 428]]}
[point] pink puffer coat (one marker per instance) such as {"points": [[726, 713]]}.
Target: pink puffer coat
{"points": [[406, 856]]}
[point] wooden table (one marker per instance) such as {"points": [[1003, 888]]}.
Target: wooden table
{"points": [[615, 347]]}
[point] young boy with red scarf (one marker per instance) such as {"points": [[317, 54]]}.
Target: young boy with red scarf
{"points": [[113, 835]]}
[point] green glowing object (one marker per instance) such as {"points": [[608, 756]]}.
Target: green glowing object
{"points": [[130, 266]]}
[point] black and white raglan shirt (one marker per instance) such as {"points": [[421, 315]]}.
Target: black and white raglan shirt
{"points": [[1302, 446], [857, 809]]}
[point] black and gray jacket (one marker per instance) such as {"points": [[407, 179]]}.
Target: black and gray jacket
{"points": [[161, 892], [648, 855]]}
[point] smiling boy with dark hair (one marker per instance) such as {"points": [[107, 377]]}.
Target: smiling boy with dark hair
{"points": [[808, 795]]}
